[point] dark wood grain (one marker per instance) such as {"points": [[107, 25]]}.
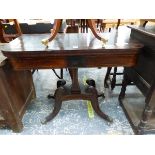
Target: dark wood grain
{"points": [[4, 38], [143, 76], [73, 51], [16, 92], [87, 51]]}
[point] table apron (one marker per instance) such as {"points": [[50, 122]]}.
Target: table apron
{"points": [[21, 63]]}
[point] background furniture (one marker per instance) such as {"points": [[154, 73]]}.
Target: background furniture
{"points": [[16, 92], [142, 116], [114, 23], [143, 22], [6, 37], [32, 27]]}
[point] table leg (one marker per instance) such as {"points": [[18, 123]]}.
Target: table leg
{"points": [[95, 104], [91, 82], [57, 106], [63, 93], [75, 88]]}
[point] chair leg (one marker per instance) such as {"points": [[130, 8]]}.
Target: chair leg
{"points": [[61, 73], [102, 27], [34, 71], [113, 82], [125, 82], [107, 77]]}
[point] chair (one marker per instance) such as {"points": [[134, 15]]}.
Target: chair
{"points": [[117, 23], [114, 23], [72, 27], [83, 25], [7, 37], [108, 23], [113, 80], [143, 22]]}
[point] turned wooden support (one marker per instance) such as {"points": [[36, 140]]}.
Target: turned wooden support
{"points": [[64, 92], [149, 106], [75, 88], [125, 82]]}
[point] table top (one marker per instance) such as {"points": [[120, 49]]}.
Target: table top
{"points": [[148, 30], [84, 43]]}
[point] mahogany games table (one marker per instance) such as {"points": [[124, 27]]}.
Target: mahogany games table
{"points": [[73, 51]]}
